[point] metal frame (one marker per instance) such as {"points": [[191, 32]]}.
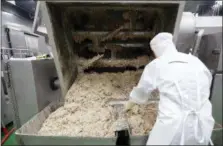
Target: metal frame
{"points": [[20, 52], [210, 24], [220, 60], [35, 25], [27, 134], [49, 25]]}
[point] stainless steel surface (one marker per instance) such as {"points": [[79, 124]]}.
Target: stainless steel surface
{"points": [[211, 43], [210, 24], [207, 46], [210, 49], [199, 35], [216, 100], [220, 60], [17, 39], [7, 114], [38, 27], [186, 34], [17, 53], [6, 107], [31, 92], [21, 38], [42, 45], [27, 134]]}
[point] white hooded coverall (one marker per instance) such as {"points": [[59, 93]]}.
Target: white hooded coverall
{"points": [[185, 112]]}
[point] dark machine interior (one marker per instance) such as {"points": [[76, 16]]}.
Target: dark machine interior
{"points": [[116, 30]]}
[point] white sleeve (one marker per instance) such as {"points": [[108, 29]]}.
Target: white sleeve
{"points": [[141, 93]]}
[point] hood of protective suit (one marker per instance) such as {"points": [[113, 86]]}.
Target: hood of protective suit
{"points": [[162, 43]]}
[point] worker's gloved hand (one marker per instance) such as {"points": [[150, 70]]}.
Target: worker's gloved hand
{"points": [[128, 106], [154, 96]]}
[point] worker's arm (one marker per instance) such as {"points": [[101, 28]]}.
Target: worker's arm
{"points": [[142, 92], [206, 71]]}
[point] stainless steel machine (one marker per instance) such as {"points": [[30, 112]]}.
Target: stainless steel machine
{"points": [[115, 29], [31, 87], [17, 42]]}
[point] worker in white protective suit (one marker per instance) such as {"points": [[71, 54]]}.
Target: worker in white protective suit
{"points": [[183, 81]]}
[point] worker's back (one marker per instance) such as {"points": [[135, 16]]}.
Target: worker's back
{"points": [[184, 85], [191, 75]]}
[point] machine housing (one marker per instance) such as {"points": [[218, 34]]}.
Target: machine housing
{"points": [[116, 29]]}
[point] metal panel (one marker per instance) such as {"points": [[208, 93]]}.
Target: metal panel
{"points": [[216, 98], [62, 140], [42, 46], [17, 39], [27, 134], [17, 27], [210, 49], [9, 19], [178, 20], [31, 87], [52, 42], [186, 34], [216, 101], [211, 25], [23, 87], [220, 61], [6, 108], [44, 71], [32, 43]]}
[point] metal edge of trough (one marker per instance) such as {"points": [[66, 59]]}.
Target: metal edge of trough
{"points": [[27, 133]]}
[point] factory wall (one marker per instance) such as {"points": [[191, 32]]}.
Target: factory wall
{"points": [[17, 22]]}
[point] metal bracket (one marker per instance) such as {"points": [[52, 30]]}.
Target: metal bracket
{"points": [[199, 35]]}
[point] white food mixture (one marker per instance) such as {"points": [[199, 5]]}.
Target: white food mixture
{"points": [[86, 111]]}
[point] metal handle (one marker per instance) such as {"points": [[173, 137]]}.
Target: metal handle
{"points": [[54, 83], [216, 51], [199, 35]]}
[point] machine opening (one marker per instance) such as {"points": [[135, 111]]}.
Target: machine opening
{"points": [[116, 30]]}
